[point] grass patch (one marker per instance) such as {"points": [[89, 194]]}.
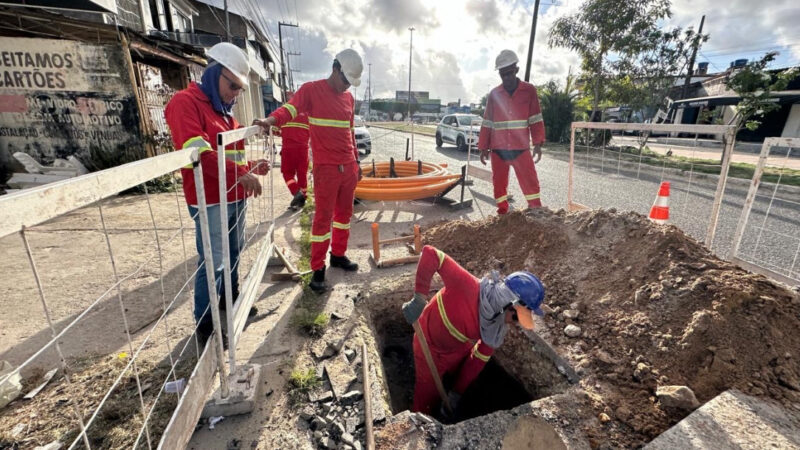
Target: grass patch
{"points": [[741, 170], [301, 382], [312, 321]]}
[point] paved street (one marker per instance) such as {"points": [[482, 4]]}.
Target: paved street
{"points": [[608, 182]]}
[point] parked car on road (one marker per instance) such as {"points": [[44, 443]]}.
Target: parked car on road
{"points": [[363, 139], [459, 129]]}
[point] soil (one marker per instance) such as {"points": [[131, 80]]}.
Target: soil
{"points": [[655, 308]]}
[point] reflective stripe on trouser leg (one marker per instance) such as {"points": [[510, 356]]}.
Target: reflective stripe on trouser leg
{"points": [[327, 183], [500, 182], [344, 209], [528, 179]]}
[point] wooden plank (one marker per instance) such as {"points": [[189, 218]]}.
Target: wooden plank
{"points": [[701, 129], [250, 286], [730, 141], [479, 173], [182, 424], [751, 196], [34, 206]]}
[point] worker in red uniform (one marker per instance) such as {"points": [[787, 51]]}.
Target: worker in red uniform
{"points": [[294, 158], [464, 322], [512, 121], [330, 108], [195, 116]]}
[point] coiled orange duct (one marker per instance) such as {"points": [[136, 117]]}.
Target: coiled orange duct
{"points": [[409, 185]]}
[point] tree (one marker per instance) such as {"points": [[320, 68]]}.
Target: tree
{"points": [[754, 84], [646, 71], [604, 28], [557, 108]]}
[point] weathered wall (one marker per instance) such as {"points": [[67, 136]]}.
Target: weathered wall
{"points": [[60, 98]]}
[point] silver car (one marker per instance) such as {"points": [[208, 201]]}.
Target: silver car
{"points": [[363, 139], [459, 129]]}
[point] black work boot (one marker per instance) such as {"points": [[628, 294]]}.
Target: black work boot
{"points": [[343, 262], [317, 283], [298, 201]]}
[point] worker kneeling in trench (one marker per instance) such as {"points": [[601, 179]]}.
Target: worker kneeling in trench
{"points": [[461, 327]]}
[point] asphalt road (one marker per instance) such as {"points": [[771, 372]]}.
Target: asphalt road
{"points": [[605, 181]]}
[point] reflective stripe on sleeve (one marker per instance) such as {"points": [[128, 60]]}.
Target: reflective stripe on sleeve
{"points": [[295, 125], [479, 355], [291, 109], [450, 327], [196, 142], [535, 118], [440, 254]]}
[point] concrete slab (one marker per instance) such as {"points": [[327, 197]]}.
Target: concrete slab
{"points": [[733, 420], [242, 394]]}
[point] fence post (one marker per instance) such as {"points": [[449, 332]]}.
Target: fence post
{"points": [[210, 278], [730, 141], [226, 248], [751, 196], [570, 167]]}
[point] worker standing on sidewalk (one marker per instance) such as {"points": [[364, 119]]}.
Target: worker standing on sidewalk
{"points": [[512, 121], [330, 108], [464, 323], [195, 116], [294, 158]]}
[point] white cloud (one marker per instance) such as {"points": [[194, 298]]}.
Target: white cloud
{"points": [[455, 42]]}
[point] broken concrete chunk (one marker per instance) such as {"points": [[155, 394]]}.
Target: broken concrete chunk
{"points": [[572, 330], [327, 443], [340, 374], [680, 397], [318, 397], [347, 438], [571, 313], [351, 397], [307, 413], [321, 350]]}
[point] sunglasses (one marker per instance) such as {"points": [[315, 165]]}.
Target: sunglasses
{"points": [[233, 84]]}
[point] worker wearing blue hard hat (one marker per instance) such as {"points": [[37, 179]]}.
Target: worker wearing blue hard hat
{"points": [[459, 329]]}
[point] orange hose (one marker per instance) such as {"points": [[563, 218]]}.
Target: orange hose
{"points": [[408, 184], [403, 193]]}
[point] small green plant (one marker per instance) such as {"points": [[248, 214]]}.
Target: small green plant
{"points": [[301, 382], [311, 321]]}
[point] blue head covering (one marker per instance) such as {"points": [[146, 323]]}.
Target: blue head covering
{"points": [[209, 84]]}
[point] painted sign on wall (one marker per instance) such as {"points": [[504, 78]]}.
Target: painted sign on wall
{"points": [[60, 98]]}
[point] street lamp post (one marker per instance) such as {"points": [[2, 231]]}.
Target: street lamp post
{"points": [[408, 115]]}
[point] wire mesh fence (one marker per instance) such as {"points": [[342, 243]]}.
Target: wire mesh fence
{"points": [[101, 283], [767, 238], [620, 165]]}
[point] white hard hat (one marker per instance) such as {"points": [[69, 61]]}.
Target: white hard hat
{"points": [[232, 58], [505, 59], [351, 65]]}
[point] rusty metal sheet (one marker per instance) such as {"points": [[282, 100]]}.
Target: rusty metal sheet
{"points": [[60, 98]]}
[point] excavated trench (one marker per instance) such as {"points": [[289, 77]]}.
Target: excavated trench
{"points": [[500, 386]]}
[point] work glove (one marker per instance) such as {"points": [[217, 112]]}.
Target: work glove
{"points": [[412, 309], [454, 398]]}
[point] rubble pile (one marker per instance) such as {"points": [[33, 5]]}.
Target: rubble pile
{"points": [[654, 324]]}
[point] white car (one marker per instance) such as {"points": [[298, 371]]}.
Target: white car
{"points": [[459, 129], [363, 139]]}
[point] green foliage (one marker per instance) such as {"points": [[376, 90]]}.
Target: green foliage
{"points": [[557, 109], [304, 380], [311, 321], [754, 84], [624, 55]]}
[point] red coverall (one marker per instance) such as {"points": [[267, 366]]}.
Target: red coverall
{"points": [[194, 124], [294, 154], [335, 157], [451, 326], [510, 123]]}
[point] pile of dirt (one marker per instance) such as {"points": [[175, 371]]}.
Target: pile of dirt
{"points": [[654, 308]]}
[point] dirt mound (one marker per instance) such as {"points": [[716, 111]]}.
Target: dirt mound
{"points": [[654, 306]]}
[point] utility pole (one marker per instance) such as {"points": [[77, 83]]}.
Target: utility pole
{"points": [[227, 23], [410, 47], [369, 90], [690, 71], [291, 75], [283, 66], [530, 45]]}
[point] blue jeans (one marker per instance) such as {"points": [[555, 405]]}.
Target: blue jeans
{"points": [[236, 210]]}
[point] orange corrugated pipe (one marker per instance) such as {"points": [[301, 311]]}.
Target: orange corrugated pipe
{"points": [[408, 185]]}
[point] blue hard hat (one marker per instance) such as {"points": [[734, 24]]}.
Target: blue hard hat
{"points": [[528, 289]]}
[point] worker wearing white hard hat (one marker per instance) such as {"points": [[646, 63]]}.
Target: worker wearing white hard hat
{"points": [[330, 109], [196, 115], [511, 122]]}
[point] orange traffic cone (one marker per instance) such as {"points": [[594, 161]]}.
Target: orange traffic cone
{"points": [[659, 213]]}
